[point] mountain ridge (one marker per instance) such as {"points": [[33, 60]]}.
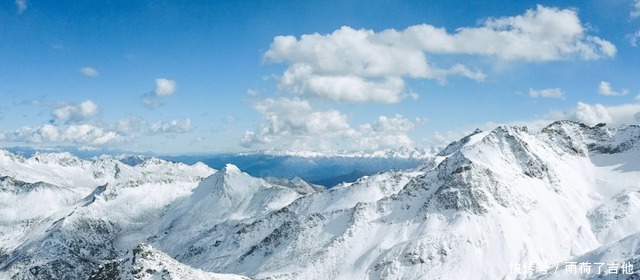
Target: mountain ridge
{"points": [[490, 199]]}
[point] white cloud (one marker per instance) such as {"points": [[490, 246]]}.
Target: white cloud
{"points": [[130, 125], [89, 72], [365, 66], [589, 114], [75, 112], [196, 140], [295, 119], [84, 134], [542, 34], [547, 93], [294, 124], [22, 6], [592, 114], [385, 133], [604, 88], [165, 87], [635, 12], [633, 38], [352, 66], [301, 79], [172, 126]]}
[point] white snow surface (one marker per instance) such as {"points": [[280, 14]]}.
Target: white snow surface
{"points": [[489, 200], [146, 263]]}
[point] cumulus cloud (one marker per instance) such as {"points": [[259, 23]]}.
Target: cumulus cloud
{"points": [[604, 88], [295, 124], [385, 133], [165, 87], [172, 126], [352, 66], [89, 72], [301, 79], [75, 112], [84, 134], [22, 6], [295, 119], [547, 93], [592, 114], [365, 66]]}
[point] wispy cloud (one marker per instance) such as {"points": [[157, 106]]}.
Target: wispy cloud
{"points": [[635, 11], [89, 72], [151, 100], [22, 6], [196, 140], [547, 93], [633, 38], [131, 125]]}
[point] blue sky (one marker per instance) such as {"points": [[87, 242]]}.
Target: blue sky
{"points": [[206, 76]]}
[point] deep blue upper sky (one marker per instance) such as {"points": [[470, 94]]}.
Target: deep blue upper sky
{"points": [[209, 76]]}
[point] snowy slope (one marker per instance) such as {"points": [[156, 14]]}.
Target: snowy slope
{"points": [[146, 263], [490, 201], [61, 215], [503, 196], [618, 260]]}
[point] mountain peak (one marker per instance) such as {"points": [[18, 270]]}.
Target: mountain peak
{"points": [[230, 169], [229, 179]]}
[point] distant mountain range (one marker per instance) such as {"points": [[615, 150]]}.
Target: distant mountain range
{"points": [[500, 204], [327, 169]]}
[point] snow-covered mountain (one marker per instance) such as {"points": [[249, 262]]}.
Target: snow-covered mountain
{"points": [[498, 204], [401, 152], [146, 263], [60, 215]]}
